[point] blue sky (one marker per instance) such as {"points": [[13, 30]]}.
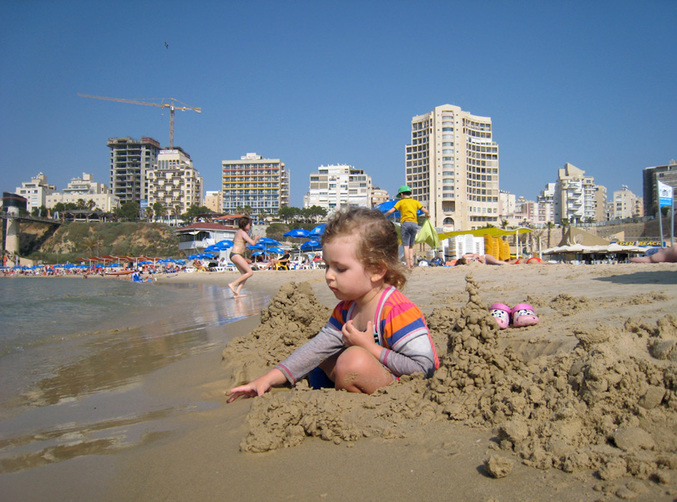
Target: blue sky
{"points": [[324, 82]]}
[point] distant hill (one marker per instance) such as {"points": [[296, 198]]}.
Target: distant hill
{"points": [[78, 239]]}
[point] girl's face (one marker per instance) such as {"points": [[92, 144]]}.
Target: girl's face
{"points": [[345, 275]]}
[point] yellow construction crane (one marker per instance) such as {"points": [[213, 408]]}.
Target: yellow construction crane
{"points": [[171, 107]]}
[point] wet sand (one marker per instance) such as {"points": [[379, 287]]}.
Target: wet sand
{"points": [[552, 412]]}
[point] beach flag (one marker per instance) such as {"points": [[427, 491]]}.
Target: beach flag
{"points": [[666, 198], [665, 194]]}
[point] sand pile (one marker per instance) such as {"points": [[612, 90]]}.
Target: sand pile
{"points": [[609, 405], [293, 316]]}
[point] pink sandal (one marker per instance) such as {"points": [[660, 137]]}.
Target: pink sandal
{"points": [[501, 313], [523, 315]]}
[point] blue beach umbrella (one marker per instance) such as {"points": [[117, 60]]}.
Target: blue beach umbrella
{"points": [[312, 245], [298, 233], [276, 250], [266, 241], [257, 247], [224, 244], [318, 230]]}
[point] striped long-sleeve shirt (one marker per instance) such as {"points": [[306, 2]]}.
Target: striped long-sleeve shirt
{"points": [[399, 327]]}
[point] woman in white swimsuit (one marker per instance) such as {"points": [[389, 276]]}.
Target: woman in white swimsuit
{"points": [[237, 255]]}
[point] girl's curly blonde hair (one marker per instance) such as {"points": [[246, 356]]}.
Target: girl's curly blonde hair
{"points": [[378, 248]]}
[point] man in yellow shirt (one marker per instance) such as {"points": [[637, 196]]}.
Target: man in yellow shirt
{"points": [[409, 221]]}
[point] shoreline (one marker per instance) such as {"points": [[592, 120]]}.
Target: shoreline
{"points": [[196, 454]]}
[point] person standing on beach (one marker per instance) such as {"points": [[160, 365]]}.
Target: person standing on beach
{"points": [[237, 255], [375, 333], [408, 207]]}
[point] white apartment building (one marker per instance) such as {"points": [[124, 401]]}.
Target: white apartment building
{"points": [[338, 186], [256, 182], [506, 204], [36, 192], [576, 196], [452, 168], [86, 189], [626, 204], [174, 182]]}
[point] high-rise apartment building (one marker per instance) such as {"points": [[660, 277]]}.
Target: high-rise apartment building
{"points": [[338, 186], [452, 168], [665, 174], [130, 160], [256, 182], [174, 182], [576, 196]]}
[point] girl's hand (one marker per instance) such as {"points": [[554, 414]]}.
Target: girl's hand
{"points": [[257, 387], [353, 336], [248, 390]]}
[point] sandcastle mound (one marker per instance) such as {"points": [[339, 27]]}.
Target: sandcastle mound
{"points": [[609, 405], [292, 317]]}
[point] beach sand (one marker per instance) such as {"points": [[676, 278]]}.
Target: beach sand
{"points": [[582, 406]]}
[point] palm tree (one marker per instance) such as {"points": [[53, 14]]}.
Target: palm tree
{"points": [[550, 225], [176, 212], [159, 209]]}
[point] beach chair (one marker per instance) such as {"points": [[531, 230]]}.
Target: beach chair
{"points": [[282, 264], [468, 243]]}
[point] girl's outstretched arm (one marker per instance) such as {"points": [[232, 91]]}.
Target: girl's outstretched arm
{"points": [[259, 386]]}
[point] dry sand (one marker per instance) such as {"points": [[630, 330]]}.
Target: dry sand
{"points": [[585, 402], [582, 406]]}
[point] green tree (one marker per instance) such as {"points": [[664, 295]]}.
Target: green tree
{"points": [[314, 213], [160, 210], [91, 204], [288, 213], [81, 204], [129, 211], [149, 213], [194, 212], [92, 244]]}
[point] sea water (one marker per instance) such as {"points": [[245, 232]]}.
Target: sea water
{"points": [[72, 348], [47, 323]]}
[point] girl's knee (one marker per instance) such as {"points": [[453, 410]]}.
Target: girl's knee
{"points": [[357, 370], [352, 360]]}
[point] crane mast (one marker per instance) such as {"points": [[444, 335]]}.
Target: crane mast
{"points": [[172, 107]]}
